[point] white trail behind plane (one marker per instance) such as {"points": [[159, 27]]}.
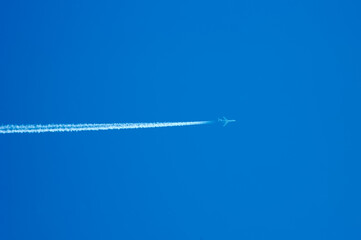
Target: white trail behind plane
{"points": [[92, 127]]}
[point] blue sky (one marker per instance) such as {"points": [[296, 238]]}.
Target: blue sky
{"points": [[288, 71]]}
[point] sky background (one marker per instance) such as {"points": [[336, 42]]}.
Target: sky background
{"points": [[287, 71]]}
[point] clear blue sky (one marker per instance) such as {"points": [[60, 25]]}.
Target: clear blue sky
{"points": [[288, 71]]}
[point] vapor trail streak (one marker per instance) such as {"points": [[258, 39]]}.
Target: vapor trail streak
{"points": [[91, 127]]}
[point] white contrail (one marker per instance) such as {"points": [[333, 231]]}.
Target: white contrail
{"points": [[91, 127]]}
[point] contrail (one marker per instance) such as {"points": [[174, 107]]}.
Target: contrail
{"points": [[91, 127]]}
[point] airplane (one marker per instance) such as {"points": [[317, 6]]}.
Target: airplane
{"points": [[225, 121]]}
